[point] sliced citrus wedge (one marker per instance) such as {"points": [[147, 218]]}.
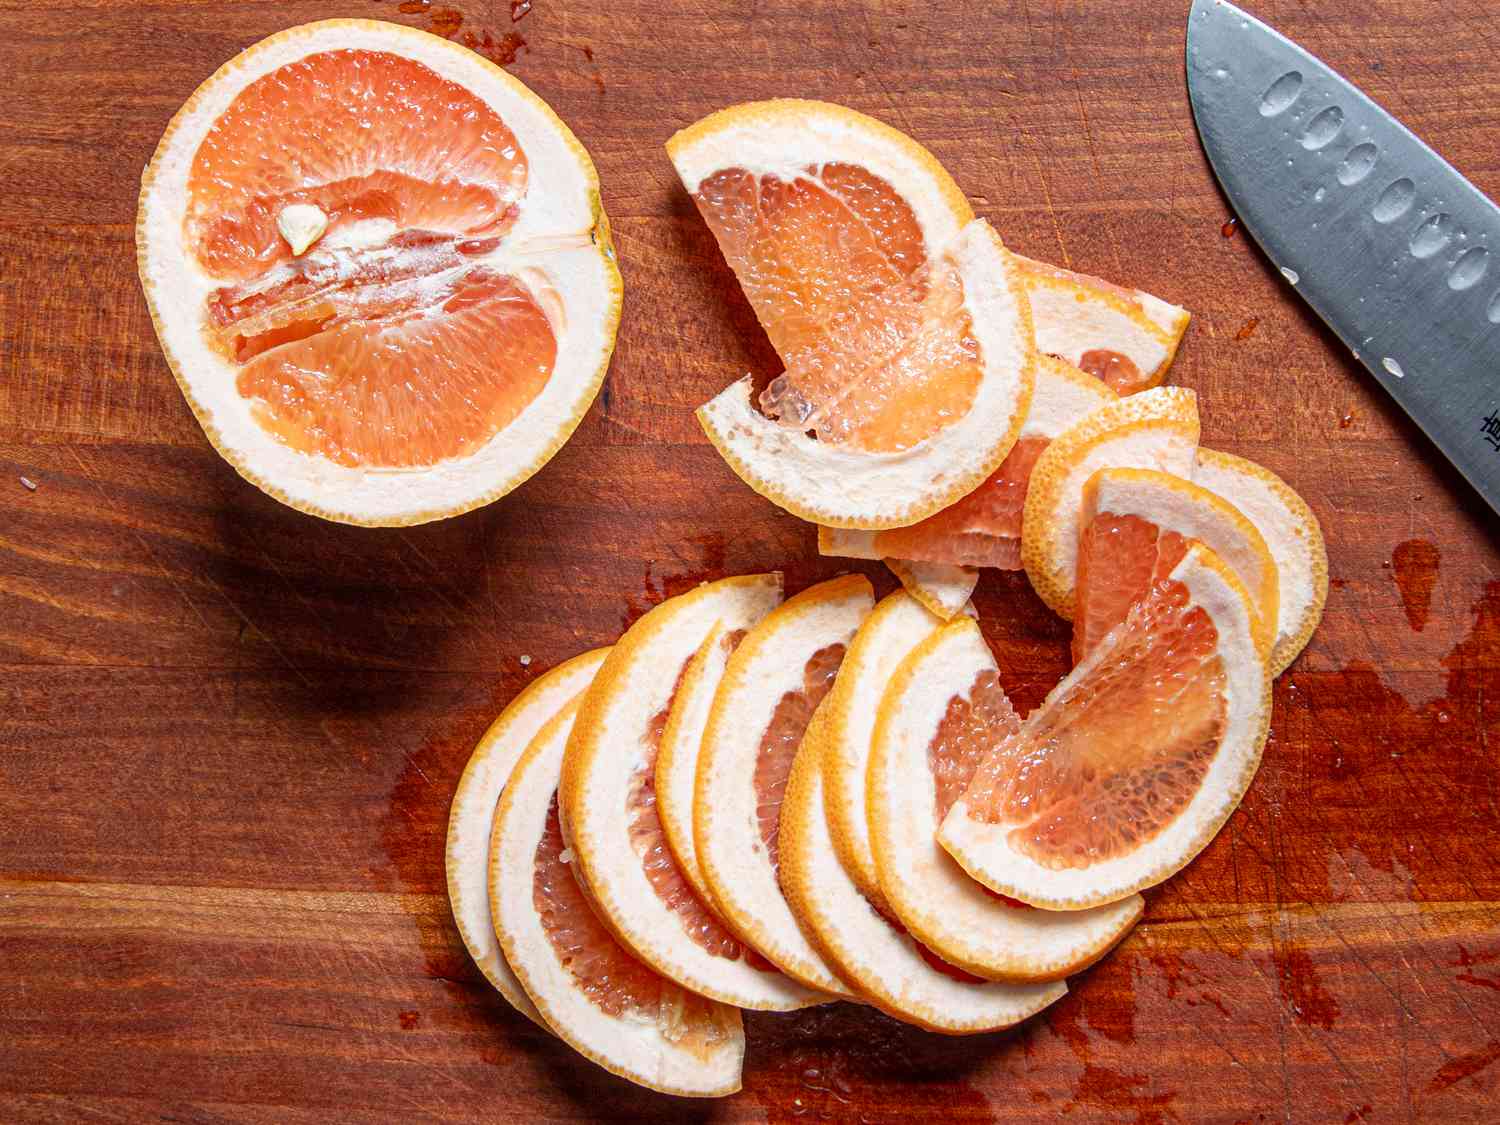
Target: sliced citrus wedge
{"points": [[472, 818], [1136, 527], [379, 268], [942, 589], [901, 322], [1292, 533], [1125, 337], [984, 527], [895, 627], [593, 992], [1135, 759], [609, 802], [943, 711], [878, 959], [1156, 429], [681, 741], [775, 680]]}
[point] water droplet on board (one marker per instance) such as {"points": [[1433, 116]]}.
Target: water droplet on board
{"points": [[1432, 236], [1358, 162], [1220, 73], [1281, 94], [1394, 201], [1291, 275], [1320, 195], [1492, 314], [1323, 128], [1471, 266], [1393, 367]]}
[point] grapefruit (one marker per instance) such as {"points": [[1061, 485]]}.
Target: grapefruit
{"points": [[380, 271]]}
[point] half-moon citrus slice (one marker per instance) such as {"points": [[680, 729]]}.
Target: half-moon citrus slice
{"points": [[896, 626], [590, 989], [901, 321], [1125, 337], [943, 711], [609, 802], [984, 527], [942, 588], [472, 819], [881, 961], [379, 269], [1136, 527], [1155, 429], [774, 682], [1292, 533], [1134, 761]]}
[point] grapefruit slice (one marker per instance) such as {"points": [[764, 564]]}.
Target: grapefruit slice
{"points": [[1123, 336], [942, 589], [880, 961], [1136, 527], [984, 527], [896, 626], [901, 322], [589, 988], [1155, 429], [471, 821], [943, 711], [1134, 761], [1292, 533], [379, 270], [775, 680], [609, 802]]}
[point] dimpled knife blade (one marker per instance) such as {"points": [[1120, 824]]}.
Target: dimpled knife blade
{"points": [[1389, 245]]}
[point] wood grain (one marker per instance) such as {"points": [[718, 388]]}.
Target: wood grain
{"points": [[229, 733]]}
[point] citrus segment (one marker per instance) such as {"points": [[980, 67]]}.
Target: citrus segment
{"points": [[941, 588], [1294, 537], [472, 818], [1134, 761], [379, 269], [609, 802], [871, 951], [773, 684], [1155, 429], [942, 712], [592, 991], [1136, 526], [897, 625], [1123, 336]]}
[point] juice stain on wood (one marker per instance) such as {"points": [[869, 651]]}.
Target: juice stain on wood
{"points": [[1247, 329], [500, 49], [1414, 565]]}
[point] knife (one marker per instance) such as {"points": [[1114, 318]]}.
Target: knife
{"points": [[1393, 248]]}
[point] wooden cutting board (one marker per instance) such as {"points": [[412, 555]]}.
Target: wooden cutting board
{"points": [[229, 733]]}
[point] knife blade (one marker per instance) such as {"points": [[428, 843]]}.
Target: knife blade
{"points": [[1386, 241]]}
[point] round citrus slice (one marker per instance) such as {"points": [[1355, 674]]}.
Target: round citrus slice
{"points": [[379, 270], [895, 627], [984, 527], [774, 682], [472, 818], [1136, 527], [1125, 337], [1134, 761], [943, 711], [901, 323], [1155, 429], [609, 802], [592, 991], [1292, 533], [881, 961]]}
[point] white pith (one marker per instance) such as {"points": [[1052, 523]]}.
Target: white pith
{"points": [[769, 663], [472, 818], [984, 850], [609, 746], [561, 200], [931, 894], [630, 1045]]}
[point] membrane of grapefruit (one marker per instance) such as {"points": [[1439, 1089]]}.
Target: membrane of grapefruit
{"points": [[1117, 753], [879, 350], [392, 342], [1120, 557], [602, 970], [782, 737]]}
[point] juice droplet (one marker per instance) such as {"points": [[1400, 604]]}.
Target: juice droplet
{"points": [[519, 8], [1346, 421], [1247, 329], [1229, 229]]}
